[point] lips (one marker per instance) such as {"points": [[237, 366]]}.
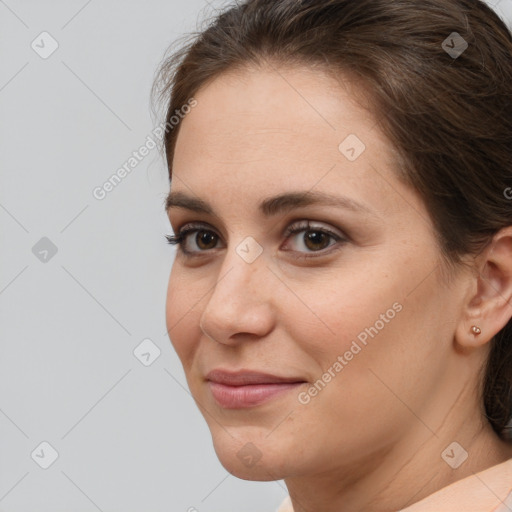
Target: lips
{"points": [[246, 377], [246, 388]]}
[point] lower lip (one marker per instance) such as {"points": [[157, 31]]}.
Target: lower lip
{"points": [[238, 397]]}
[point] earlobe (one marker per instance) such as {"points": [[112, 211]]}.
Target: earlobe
{"points": [[489, 308]]}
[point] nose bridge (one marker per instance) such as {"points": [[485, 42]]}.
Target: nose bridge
{"points": [[242, 270], [238, 302], [239, 281]]}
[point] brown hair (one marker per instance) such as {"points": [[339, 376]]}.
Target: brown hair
{"points": [[448, 116]]}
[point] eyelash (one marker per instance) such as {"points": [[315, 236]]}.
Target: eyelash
{"points": [[183, 233]]}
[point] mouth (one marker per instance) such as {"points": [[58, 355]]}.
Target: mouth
{"points": [[244, 388]]}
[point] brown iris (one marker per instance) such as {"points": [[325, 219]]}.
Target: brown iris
{"points": [[206, 237], [314, 238]]}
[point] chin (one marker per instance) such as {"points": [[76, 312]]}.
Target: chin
{"points": [[248, 457]]}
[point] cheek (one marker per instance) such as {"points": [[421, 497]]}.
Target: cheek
{"points": [[182, 318], [382, 347], [352, 321], [379, 300], [338, 309]]}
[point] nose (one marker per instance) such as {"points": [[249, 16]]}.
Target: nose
{"points": [[240, 305]]}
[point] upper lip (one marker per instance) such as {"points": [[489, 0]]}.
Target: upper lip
{"points": [[245, 377]]}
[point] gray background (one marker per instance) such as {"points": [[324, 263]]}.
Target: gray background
{"points": [[128, 436]]}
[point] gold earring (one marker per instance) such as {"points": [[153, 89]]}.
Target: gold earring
{"points": [[475, 330]]}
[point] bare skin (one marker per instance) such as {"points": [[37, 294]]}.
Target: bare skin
{"points": [[373, 437]]}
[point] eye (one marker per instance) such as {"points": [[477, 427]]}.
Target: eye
{"points": [[315, 239], [205, 239]]}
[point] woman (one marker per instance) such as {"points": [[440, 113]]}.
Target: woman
{"points": [[341, 297]]}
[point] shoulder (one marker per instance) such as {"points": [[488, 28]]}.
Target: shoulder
{"points": [[489, 490]]}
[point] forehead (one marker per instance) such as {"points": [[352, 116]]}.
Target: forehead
{"points": [[240, 109], [258, 131]]}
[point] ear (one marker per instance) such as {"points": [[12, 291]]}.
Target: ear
{"points": [[489, 304]]}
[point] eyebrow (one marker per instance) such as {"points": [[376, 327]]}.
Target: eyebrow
{"points": [[271, 206]]}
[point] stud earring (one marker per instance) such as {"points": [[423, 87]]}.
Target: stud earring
{"points": [[475, 330]]}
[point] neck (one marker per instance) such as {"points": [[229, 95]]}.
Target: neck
{"points": [[410, 469]]}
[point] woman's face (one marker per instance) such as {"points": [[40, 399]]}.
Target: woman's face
{"points": [[350, 308]]}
